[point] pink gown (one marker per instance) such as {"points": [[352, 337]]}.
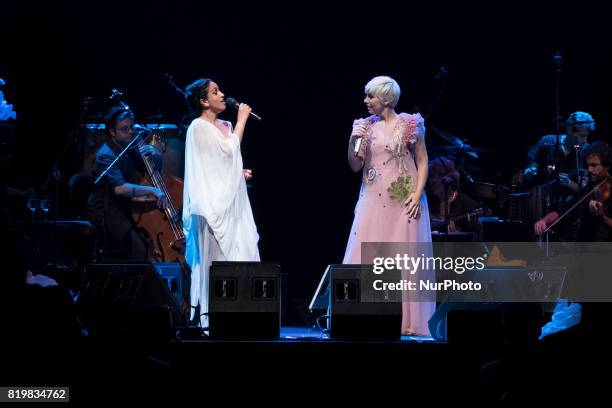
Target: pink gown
{"points": [[378, 218]]}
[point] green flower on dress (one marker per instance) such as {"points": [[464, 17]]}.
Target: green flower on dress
{"points": [[401, 188]]}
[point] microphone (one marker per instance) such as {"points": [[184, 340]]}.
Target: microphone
{"points": [[234, 104], [359, 140], [557, 59], [116, 95], [449, 181], [442, 72], [357, 146]]}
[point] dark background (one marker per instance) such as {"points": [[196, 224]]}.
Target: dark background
{"points": [[303, 66]]}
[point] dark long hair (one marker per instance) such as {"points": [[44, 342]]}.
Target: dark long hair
{"points": [[196, 91]]}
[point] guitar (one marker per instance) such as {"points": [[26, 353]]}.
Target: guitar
{"points": [[468, 216], [439, 222]]}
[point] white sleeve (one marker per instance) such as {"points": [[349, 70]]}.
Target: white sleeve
{"points": [[213, 174]]}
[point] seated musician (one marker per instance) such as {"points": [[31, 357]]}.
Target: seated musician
{"points": [[110, 201], [444, 193], [542, 156], [594, 213], [593, 217]]}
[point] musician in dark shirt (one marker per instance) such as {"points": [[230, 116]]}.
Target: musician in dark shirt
{"points": [[110, 201], [445, 196], [593, 216], [547, 161]]}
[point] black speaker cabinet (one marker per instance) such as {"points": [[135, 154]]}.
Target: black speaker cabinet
{"points": [[508, 302], [176, 281], [351, 317], [128, 299], [244, 300]]}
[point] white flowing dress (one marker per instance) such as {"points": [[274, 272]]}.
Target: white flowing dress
{"points": [[217, 217]]}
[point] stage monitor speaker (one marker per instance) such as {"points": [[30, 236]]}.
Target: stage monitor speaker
{"points": [[128, 299], [458, 322], [350, 318], [487, 324], [176, 281], [484, 318], [244, 300]]}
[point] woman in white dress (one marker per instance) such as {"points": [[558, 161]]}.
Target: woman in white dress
{"points": [[217, 217]]}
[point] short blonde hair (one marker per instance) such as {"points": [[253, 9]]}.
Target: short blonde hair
{"points": [[384, 88]]}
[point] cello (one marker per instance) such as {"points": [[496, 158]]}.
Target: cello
{"points": [[162, 227]]}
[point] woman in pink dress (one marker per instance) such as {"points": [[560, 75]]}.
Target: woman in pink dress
{"points": [[391, 153]]}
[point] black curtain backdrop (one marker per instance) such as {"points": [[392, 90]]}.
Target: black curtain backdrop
{"points": [[302, 65]]}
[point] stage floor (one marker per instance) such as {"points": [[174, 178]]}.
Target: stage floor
{"points": [[310, 334], [303, 359]]}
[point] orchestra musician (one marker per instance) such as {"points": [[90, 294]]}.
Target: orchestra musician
{"points": [[594, 212], [446, 198], [110, 201], [546, 162]]}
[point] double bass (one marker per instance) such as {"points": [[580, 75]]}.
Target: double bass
{"points": [[162, 227]]}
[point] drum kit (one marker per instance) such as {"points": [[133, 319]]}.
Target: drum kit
{"points": [[168, 138], [508, 204]]}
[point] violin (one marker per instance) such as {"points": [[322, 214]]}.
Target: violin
{"points": [[599, 194], [602, 191]]}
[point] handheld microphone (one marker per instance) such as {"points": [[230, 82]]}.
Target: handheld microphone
{"points": [[359, 139], [234, 104], [449, 181], [357, 145]]}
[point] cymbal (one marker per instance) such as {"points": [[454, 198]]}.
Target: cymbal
{"points": [[450, 149], [456, 143], [483, 190]]}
